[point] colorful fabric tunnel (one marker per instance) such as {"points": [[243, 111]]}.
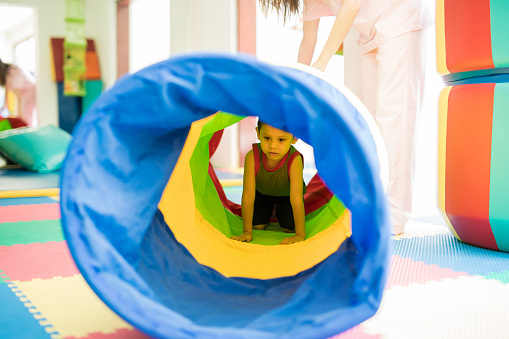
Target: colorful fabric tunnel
{"points": [[149, 228], [473, 58]]}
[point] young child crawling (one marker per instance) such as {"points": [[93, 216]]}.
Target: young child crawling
{"points": [[273, 176]]}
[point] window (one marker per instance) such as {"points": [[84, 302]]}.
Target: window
{"points": [[24, 55]]}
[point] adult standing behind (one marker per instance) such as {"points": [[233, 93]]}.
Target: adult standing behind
{"points": [[14, 80], [391, 46]]}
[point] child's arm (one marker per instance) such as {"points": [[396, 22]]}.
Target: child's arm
{"points": [[248, 198], [342, 24], [308, 43], [297, 201]]}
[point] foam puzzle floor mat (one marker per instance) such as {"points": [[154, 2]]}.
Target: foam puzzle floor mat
{"points": [[438, 287], [21, 179]]}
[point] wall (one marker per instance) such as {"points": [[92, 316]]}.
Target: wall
{"points": [[49, 21], [205, 25], [198, 25], [149, 33], [195, 25], [6, 53], [22, 31], [101, 26]]}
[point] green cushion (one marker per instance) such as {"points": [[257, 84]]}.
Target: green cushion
{"points": [[40, 149]]}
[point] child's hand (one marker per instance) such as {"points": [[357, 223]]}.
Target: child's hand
{"points": [[247, 237], [291, 240]]}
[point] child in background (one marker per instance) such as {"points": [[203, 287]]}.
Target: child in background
{"points": [[14, 80], [273, 175]]}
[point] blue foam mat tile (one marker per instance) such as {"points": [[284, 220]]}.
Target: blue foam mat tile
{"points": [[16, 321], [226, 174], [26, 201], [500, 276], [21, 179], [233, 193], [446, 251]]}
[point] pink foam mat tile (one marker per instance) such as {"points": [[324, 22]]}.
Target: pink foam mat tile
{"points": [[25, 262], [119, 334], [406, 271], [16, 213], [357, 332]]}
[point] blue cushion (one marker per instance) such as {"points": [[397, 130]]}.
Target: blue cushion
{"points": [[40, 149]]}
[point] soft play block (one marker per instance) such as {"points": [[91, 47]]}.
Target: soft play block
{"points": [[57, 53], [93, 71], [94, 89], [40, 149], [69, 109], [92, 62], [474, 162], [472, 35]]}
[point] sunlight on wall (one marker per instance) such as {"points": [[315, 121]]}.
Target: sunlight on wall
{"points": [[24, 56], [279, 42], [426, 149], [149, 33]]}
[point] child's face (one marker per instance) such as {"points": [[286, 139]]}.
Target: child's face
{"points": [[275, 143]]}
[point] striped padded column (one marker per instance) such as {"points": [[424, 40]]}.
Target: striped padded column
{"points": [[499, 184], [468, 156]]}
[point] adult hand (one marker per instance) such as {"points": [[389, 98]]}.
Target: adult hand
{"points": [[247, 237], [291, 240]]}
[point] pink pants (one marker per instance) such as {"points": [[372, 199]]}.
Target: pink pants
{"points": [[392, 80]]}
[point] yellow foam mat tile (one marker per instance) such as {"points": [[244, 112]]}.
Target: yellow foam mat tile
{"points": [[70, 306], [55, 197]]}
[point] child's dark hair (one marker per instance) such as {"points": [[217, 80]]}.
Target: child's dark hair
{"points": [[3, 72], [259, 124], [285, 7]]}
